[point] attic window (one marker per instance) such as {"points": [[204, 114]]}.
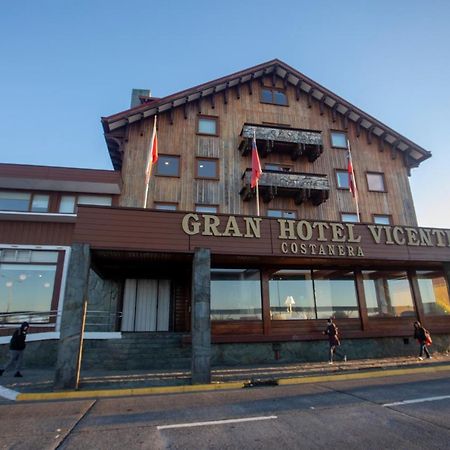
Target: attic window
{"points": [[273, 96], [338, 139], [207, 125]]}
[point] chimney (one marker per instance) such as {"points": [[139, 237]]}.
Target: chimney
{"points": [[136, 93]]}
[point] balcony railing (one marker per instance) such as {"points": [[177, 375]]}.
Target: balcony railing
{"points": [[295, 141], [300, 186]]}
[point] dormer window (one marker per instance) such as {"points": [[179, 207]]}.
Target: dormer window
{"points": [[273, 96]]}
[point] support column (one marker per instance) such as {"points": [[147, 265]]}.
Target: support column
{"points": [[75, 299], [446, 270], [201, 319]]}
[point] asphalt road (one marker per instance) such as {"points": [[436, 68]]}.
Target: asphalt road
{"points": [[333, 415]]}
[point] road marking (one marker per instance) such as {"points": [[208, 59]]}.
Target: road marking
{"points": [[8, 393], [215, 422], [418, 400]]}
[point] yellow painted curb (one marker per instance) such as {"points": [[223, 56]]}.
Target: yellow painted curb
{"points": [[221, 386]]}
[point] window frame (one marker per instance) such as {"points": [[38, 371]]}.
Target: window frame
{"points": [[209, 205], [272, 89], [207, 117], [341, 132], [336, 171], [282, 211], [31, 194], [165, 155], [76, 196], [389, 216], [156, 203], [350, 213], [200, 158], [384, 191], [290, 167]]}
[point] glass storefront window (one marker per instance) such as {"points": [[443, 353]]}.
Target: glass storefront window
{"points": [[25, 289], [388, 294], [235, 294], [434, 293], [335, 294], [291, 295]]}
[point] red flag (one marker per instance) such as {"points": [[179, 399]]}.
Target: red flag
{"points": [[256, 165], [351, 174], [152, 154]]}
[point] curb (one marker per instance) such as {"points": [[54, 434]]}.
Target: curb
{"points": [[64, 395]]}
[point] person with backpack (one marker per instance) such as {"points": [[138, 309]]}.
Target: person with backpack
{"points": [[16, 347], [423, 337], [333, 340]]}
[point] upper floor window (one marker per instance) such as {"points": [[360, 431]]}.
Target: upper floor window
{"points": [[273, 96], [382, 219], [375, 182], [349, 217], [209, 209], [207, 168], [168, 166], [277, 167], [281, 213], [68, 203], [207, 125], [338, 139], [23, 201], [165, 206], [342, 179]]}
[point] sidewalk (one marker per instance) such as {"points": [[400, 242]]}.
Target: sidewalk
{"points": [[41, 381]]}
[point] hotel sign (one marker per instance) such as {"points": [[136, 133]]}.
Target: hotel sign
{"points": [[322, 239]]}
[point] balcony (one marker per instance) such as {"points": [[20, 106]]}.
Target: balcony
{"points": [[301, 187], [295, 141]]}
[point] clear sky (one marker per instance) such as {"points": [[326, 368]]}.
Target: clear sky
{"points": [[66, 63]]}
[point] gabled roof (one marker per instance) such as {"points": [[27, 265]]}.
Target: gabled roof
{"points": [[413, 153]]}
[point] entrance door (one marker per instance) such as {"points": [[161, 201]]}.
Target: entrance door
{"points": [[146, 305]]}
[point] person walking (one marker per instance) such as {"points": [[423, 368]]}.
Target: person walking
{"points": [[16, 347], [423, 337], [333, 340]]}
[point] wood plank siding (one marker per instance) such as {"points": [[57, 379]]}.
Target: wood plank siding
{"points": [[36, 233], [180, 138]]}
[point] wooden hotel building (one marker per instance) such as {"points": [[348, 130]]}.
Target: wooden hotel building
{"points": [[196, 277]]}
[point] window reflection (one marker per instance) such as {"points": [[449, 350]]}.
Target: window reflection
{"points": [[434, 293], [388, 294], [235, 294]]}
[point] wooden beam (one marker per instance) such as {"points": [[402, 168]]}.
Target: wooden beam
{"points": [[213, 99], [285, 80], [333, 111], [369, 134], [406, 160], [250, 82], [225, 94], [394, 149], [345, 117], [310, 93], [185, 108], [274, 76], [172, 106], [199, 104], [358, 126], [381, 140], [322, 103], [238, 90], [298, 89]]}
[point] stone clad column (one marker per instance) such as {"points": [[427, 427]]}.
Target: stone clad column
{"points": [[69, 346], [201, 320]]}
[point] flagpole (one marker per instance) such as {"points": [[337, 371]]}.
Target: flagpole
{"points": [[257, 183], [149, 163], [354, 180]]}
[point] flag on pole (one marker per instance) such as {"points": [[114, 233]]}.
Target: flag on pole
{"points": [[256, 165], [152, 153], [351, 174]]}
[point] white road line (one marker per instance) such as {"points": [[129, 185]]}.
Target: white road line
{"points": [[215, 422], [8, 393], [418, 400]]}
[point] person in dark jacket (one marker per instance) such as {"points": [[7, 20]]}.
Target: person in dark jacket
{"points": [[16, 347], [420, 333], [333, 340]]}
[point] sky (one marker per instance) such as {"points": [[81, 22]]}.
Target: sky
{"points": [[66, 63]]}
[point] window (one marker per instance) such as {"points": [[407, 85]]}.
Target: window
{"points": [[165, 206], [382, 219], [23, 201], [273, 96], [168, 166], [209, 209], [207, 168], [281, 213], [68, 203], [338, 139], [388, 294], [207, 125], [27, 285], [349, 217], [235, 294], [342, 179], [375, 182], [291, 295], [277, 167], [434, 293]]}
